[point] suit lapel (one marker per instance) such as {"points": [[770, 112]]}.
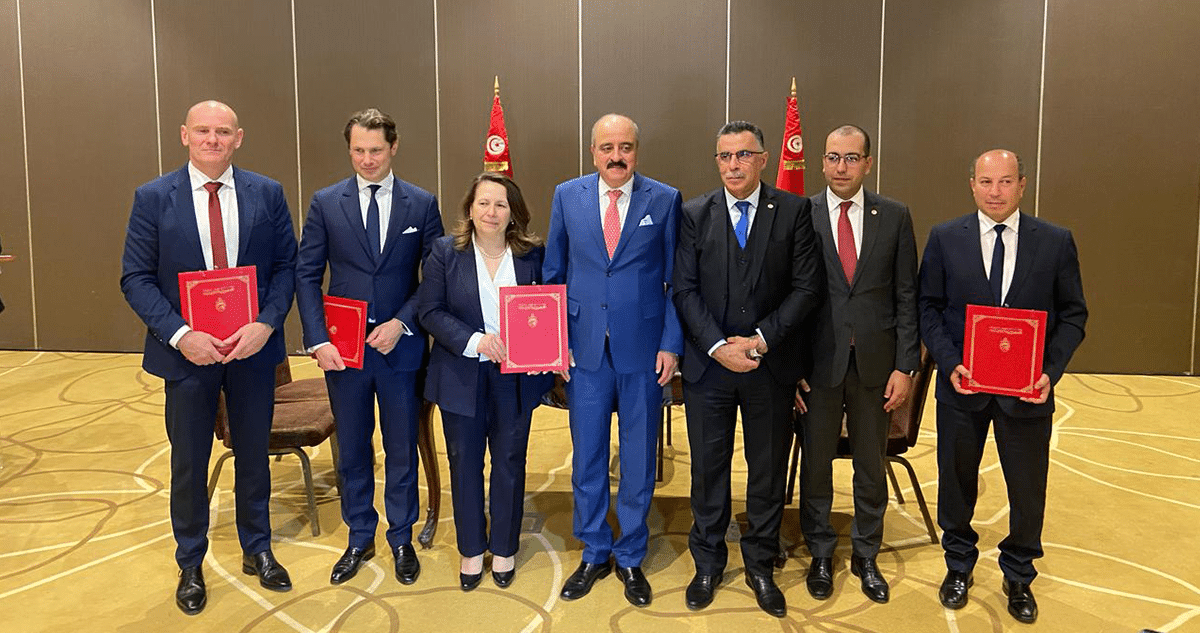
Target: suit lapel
{"points": [[1027, 245], [760, 232], [184, 207], [523, 269], [469, 282], [820, 215], [398, 221], [638, 201], [589, 205], [870, 231], [353, 213], [248, 210], [973, 251]]}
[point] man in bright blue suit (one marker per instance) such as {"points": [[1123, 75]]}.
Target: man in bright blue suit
{"points": [[204, 216], [372, 231], [612, 242]]}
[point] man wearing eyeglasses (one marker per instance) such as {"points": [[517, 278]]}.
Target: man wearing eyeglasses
{"points": [[865, 350], [747, 273]]}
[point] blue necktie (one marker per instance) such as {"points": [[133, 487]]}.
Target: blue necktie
{"points": [[743, 223], [373, 224], [997, 276]]}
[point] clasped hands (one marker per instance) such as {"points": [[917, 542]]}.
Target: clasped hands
{"points": [[205, 349], [740, 353]]}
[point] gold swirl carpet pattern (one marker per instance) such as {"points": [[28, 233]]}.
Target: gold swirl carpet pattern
{"points": [[84, 471]]}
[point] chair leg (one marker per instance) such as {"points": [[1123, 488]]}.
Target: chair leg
{"points": [[432, 477], [664, 419], [792, 468], [212, 481], [912, 475], [306, 467], [895, 482], [669, 424]]}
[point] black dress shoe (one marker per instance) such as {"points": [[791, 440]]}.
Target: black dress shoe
{"points": [[700, 591], [873, 584], [347, 566], [407, 565], [580, 582], [953, 593], [271, 575], [503, 578], [1021, 604], [467, 582], [820, 578], [190, 595], [637, 588], [767, 593]]}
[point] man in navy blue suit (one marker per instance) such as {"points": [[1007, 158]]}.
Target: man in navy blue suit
{"points": [[996, 256], [612, 242], [204, 216], [373, 231]]}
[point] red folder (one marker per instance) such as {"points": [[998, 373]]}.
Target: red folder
{"points": [[218, 302], [346, 322], [1002, 348], [533, 326]]}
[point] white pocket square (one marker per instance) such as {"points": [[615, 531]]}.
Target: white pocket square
{"points": [[411, 229], [646, 221]]}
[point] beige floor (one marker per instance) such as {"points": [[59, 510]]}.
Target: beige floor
{"points": [[86, 543]]}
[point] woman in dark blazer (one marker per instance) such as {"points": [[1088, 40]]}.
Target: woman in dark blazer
{"points": [[481, 407]]}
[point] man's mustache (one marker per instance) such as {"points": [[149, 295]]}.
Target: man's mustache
{"points": [[616, 163]]}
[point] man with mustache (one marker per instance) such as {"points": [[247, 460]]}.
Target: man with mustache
{"points": [[747, 273], [612, 242]]}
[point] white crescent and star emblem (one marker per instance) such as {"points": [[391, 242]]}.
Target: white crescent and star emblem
{"points": [[495, 144], [795, 143]]}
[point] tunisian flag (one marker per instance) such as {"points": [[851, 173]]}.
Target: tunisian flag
{"points": [[495, 148], [791, 157]]}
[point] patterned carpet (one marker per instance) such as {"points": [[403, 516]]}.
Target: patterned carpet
{"points": [[87, 543]]}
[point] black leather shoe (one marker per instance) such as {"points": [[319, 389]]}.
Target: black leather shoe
{"points": [[767, 593], [190, 595], [953, 593], [580, 582], [1021, 604], [637, 588], [347, 566], [820, 578], [700, 591], [467, 582], [271, 575], [873, 584], [503, 578], [407, 565]]}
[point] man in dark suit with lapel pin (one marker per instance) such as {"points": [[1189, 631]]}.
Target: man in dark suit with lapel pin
{"points": [[865, 350], [372, 231], [612, 242], [204, 216], [996, 256], [747, 274]]}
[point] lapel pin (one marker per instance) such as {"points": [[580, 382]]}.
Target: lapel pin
{"points": [[770, 205], [874, 211]]}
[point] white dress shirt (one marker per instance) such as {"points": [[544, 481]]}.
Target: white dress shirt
{"points": [[855, 214], [489, 297], [227, 195], [383, 196], [622, 202], [987, 242], [735, 214]]}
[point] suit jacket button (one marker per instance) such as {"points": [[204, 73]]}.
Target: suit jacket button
{"points": [[603, 306], [608, 274]]}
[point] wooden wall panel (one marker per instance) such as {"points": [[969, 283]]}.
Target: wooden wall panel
{"points": [[90, 122], [16, 323], [832, 49], [1121, 168], [662, 64], [535, 53]]}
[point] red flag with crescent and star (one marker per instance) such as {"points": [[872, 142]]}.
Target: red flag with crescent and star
{"points": [[791, 157], [495, 147]]}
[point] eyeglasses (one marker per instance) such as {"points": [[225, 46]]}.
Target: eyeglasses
{"points": [[741, 155], [850, 159]]}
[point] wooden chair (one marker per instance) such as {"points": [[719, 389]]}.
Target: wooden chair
{"points": [[905, 428]]}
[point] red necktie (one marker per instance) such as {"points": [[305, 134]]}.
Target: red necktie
{"points": [[612, 223], [216, 228], [846, 251]]}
